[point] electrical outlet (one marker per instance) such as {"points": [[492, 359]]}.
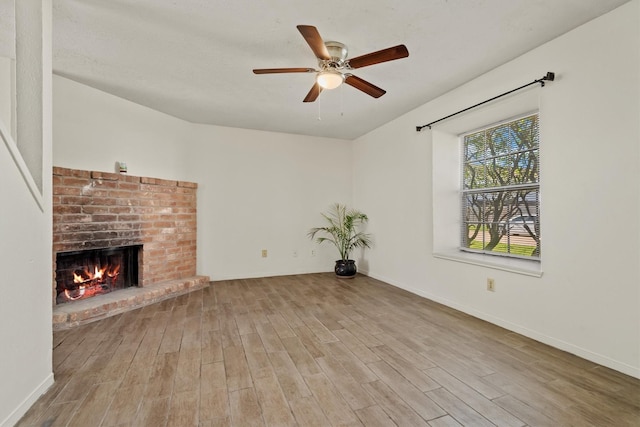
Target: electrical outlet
{"points": [[313, 252], [491, 285], [264, 253]]}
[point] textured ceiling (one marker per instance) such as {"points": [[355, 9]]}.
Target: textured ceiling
{"points": [[193, 59]]}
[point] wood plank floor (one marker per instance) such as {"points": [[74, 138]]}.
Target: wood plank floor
{"points": [[314, 350]]}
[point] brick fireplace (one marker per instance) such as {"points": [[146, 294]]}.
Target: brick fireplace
{"points": [[97, 211]]}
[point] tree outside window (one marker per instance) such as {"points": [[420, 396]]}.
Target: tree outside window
{"points": [[501, 189]]}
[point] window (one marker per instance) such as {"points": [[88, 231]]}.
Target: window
{"points": [[501, 189]]}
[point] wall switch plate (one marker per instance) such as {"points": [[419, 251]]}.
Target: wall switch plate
{"points": [[491, 285], [264, 253]]}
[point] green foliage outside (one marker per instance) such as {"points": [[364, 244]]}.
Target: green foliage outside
{"points": [[513, 249]]}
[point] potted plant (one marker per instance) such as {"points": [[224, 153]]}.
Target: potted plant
{"points": [[343, 231]]}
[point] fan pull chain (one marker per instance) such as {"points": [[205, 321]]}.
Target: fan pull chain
{"points": [[319, 110]]}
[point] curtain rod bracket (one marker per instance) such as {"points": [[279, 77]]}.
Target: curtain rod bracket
{"points": [[550, 76]]}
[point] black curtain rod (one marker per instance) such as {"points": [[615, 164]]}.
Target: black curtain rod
{"points": [[549, 77]]}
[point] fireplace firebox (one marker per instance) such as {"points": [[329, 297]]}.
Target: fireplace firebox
{"points": [[87, 273]]}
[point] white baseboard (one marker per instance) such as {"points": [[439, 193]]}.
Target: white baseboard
{"points": [[24, 406]]}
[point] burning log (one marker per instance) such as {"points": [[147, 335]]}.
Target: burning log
{"points": [[86, 284]]}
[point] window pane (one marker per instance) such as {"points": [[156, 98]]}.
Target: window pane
{"points": [[525, 131], [474, 146], [500, 199], [475, 175], [503, 222], [499, 140]]}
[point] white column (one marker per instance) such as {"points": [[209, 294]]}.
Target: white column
{"points": [[33, 83]]}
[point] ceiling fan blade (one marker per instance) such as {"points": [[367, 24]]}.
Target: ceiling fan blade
{"points": [[383, 55], [312, 36], [364, 86], [313, 93], [282, 70]]}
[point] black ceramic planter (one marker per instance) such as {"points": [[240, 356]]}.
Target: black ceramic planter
{"points": [[345, 269]]}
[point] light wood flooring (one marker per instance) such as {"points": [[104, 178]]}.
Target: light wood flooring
{"points": [[314, 350]]}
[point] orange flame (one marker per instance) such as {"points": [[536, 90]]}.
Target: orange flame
{"points": [[114, 272], [98, 273]]}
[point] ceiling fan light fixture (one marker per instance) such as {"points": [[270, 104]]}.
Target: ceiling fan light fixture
{"points": [[330, 79]]}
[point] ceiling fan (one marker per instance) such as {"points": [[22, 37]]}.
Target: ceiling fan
{"points": [[334, 67]]}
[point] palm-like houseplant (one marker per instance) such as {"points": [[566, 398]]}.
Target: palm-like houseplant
{"points": [[343, 231]]}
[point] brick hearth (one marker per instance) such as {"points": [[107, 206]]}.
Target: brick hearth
{"points": [[88, 310], [94, 209]]}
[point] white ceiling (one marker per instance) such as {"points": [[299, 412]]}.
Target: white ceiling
{"points": [[193, 59]]}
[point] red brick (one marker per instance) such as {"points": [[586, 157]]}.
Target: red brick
{"points": [[129, 178], [67, 191], [127, 202], [130, 186], [158, 189], [121, 210], [77, 237], [105, 185], [70, 218], [121, 194], [163, 224], [149, 202], [67, 209], [99, 201], [94, 192], [128, 218], [78, 227], [155, 253], [186, 184], [73, 181], [124, 226], [104, 218], [71, 172], [159, 182], [90, 209], [107, 176]]}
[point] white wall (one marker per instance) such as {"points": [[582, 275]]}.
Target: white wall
{"points": [[25, 238], [588, 298], [262, 190], [256, 190], [92, 130], [7, 94], [25, 305]]}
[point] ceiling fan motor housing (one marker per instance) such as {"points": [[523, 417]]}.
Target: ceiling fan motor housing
{"points": [[338, 53]]}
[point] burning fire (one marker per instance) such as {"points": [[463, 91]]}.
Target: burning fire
{"points": [[88, 284]]}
